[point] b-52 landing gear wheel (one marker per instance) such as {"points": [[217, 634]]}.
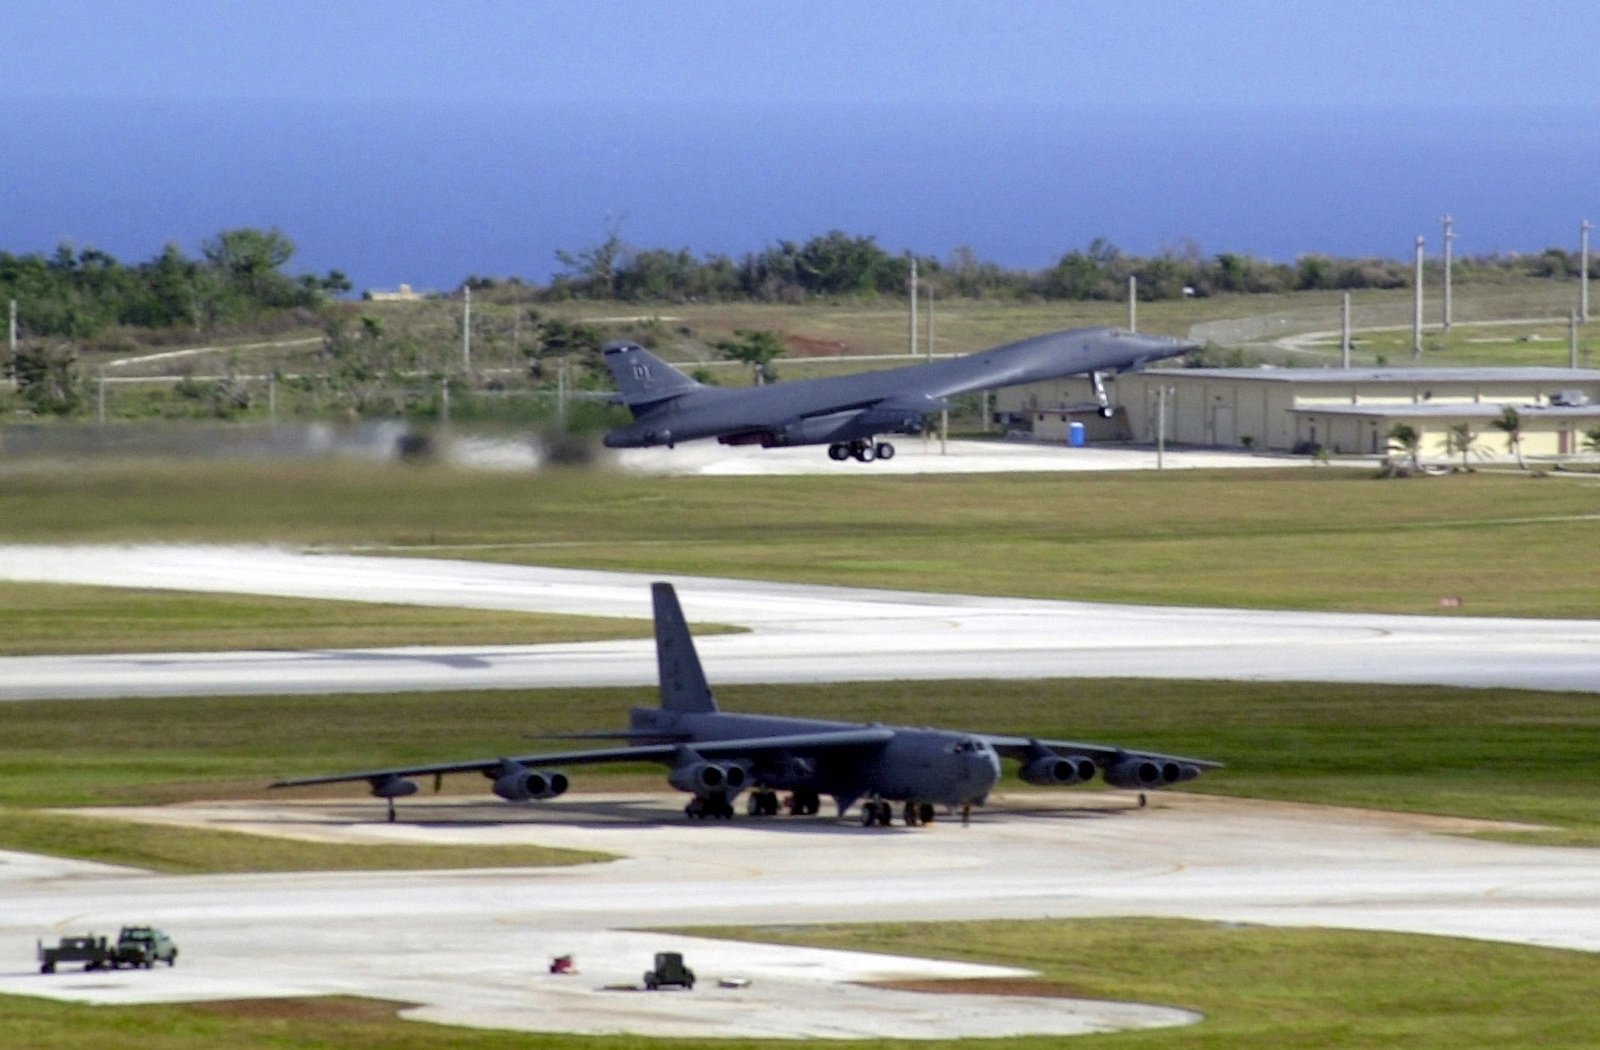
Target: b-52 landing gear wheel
{"points": [[881, 813], [702, 808], [838, 452], [803, 803], [762, 804], [864, 451], [885, 450]]}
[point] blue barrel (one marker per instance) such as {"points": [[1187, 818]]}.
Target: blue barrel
{"points": [[1075, 435]]}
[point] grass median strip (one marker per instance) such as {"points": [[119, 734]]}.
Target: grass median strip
{"points": [[52, 618], [1292, 538]]}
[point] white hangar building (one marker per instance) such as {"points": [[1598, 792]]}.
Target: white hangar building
{"points": [[1345, 411]]}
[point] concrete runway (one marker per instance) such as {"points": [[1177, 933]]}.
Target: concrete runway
{"points": [[471, 947], [798, 633]]}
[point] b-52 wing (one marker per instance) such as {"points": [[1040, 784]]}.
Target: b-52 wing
{"points": [[1061, 762], [799, 744]]}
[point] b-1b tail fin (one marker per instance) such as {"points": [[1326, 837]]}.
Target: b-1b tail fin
{"points": [[683, 680], [642, 378]]}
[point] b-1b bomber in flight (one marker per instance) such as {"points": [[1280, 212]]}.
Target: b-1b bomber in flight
{"points": [[715, 756], [847, 413]]}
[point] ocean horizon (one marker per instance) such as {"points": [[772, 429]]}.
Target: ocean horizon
{"points": [[429, 194]]}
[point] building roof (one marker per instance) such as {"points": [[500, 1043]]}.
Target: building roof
{"points": [[1408, 376], [1449, 410]]}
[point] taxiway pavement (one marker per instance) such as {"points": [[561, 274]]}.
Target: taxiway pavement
{"points": [[471, 947], [797, 633]]}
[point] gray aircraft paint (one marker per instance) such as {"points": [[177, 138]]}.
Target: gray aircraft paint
{"points": [[715, 755], [669, 407]]}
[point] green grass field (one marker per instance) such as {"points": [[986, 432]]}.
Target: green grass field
{"points": [[1297, 538], [1473, 346]]}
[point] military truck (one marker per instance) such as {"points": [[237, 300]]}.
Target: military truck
{"points": [[144, 946], [135, 946], [669, 972]]}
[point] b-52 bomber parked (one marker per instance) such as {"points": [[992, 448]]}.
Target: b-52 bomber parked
{"points": [[847, 413], [716, 756]]}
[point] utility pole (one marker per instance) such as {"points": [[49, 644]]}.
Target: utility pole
{"points": [[561, 396], [1583, 275], [913, 340], [1133, 303], [1448, 237], [1416, 311], [1161, 425], [1572, 340], [466, 328], [930, 322], [1344, 332]]}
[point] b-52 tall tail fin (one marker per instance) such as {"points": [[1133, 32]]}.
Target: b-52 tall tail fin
{"points": [[642, 378], [683, 681]]}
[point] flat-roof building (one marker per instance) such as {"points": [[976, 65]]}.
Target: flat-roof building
{"points": [[1345, 411]]}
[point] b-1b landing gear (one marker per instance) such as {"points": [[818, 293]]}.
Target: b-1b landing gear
{"points": [[862, 451]]}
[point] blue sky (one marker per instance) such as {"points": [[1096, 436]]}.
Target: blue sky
{"points": [[1147, 52], [423, 142]]}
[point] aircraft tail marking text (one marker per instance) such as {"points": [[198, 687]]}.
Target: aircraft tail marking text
{"points": [[642, 378]]}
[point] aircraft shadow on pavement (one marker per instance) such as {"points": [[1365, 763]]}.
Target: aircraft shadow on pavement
{"points": [[612, 813], [1098, 811]]}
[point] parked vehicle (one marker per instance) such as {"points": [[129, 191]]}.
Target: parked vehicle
{"points": [[669, 972], [93, 951], [144, 946], [135, 946]]}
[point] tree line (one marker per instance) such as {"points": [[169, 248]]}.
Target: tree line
{"points": [[837, 264], [77, 293]]}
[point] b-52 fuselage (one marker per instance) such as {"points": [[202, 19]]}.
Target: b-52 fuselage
{"points": [[716, 756], [846, 413]]}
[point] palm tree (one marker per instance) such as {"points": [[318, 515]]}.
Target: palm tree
{"points": [[1591, 439], [1460, 439], [1403, 437], [1510, 423]]}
